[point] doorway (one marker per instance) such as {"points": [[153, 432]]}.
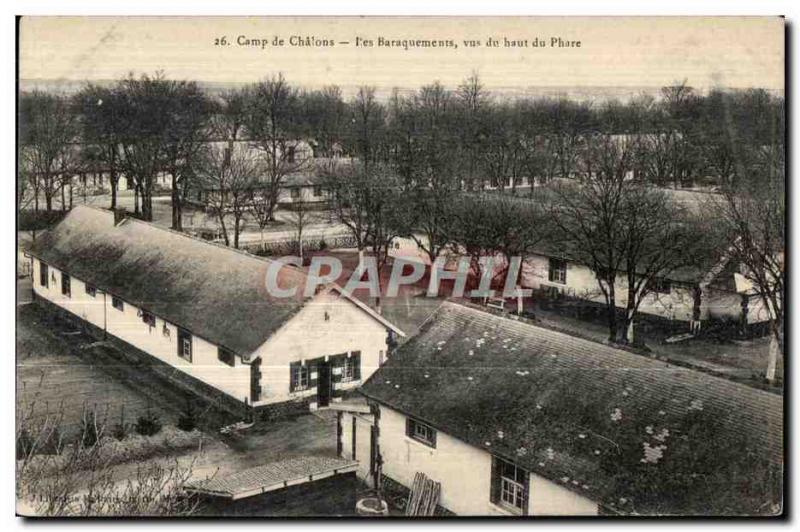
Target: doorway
{"points": [[323, 384]]}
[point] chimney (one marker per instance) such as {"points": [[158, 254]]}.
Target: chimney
{"points": [[119, 215]]}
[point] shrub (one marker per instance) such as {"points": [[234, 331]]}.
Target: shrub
{"points": [[148, 424], [188, 419], [89, 434], [120, 430], [24, 444]]}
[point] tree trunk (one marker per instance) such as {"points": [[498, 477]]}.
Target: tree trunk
{"points": [[136, 189], [146, 195], [612, 314], [222, 226], [114, 180], [63, 198], [775, 351], [236, 230], [177, 210]]}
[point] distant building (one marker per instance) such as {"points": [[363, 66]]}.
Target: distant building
{"points": [[705, 293], [203, 309], [301, 178], [515, 419]]}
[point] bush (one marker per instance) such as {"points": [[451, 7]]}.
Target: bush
{"points": [[36, 221], [24, 444], [89, 434], [120, 430], [148, 424], [188, 419]]}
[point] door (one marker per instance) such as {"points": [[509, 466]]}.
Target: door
{"points": [[323, 384], [255, 380]]}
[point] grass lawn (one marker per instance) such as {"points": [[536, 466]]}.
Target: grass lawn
{"points": [[53, 378]]}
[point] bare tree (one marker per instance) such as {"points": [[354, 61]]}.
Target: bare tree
{"points": [[272, 125], [47, 131], [752, 221], [496, 226], [229, 174], [300, 217], [99, 110], [631, 236], [186, 138], [368, 205]]}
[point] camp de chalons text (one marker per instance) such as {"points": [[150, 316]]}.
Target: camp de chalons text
{"points": [[382, 42]]}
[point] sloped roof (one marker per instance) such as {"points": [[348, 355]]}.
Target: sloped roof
{"points": [[631, 432], [215, 292], [272, 476]]}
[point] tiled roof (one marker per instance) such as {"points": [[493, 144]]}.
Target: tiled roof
{"points": [[272, 476], [631, 432]]}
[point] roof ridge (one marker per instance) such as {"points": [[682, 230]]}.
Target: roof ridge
{"points": [[207, 242]]}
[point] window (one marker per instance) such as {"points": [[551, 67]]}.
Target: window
{"points": [[351, 367], [509, 486], [299, 377], [317, 191], [117, 303], [295, 191], [90, 289], [558, 271], [184, 345], [43, 272], [290, 152], [660, 286], [226, 356], [421, 432], [66, 287], [148, 318]]}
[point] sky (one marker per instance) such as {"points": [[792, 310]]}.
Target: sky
{"points": [[734, 52]]}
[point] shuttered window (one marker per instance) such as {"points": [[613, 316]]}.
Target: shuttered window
{"points": [[226, 356], [91, 290], [66, 285], [148, 318], [43, 272], [351, 367], [421, 432], [299, 377], [510, 486], [557, 272], [185, 345], [117, 303]]}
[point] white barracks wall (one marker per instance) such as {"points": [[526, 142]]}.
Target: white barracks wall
{"points": [[327, 325], [127, 325], [463, 470]]}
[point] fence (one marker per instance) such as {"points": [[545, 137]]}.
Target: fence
{"points": [[291, 247]]}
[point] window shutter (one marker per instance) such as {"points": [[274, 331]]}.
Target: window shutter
{"points": [[409, 427], [313, 375], [526, 481], [550, 272], [356, 356], [494, 491], [432, 433], [337, 361], [293, 370]]}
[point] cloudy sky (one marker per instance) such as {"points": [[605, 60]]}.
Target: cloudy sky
{"points": [[614, 52]]}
